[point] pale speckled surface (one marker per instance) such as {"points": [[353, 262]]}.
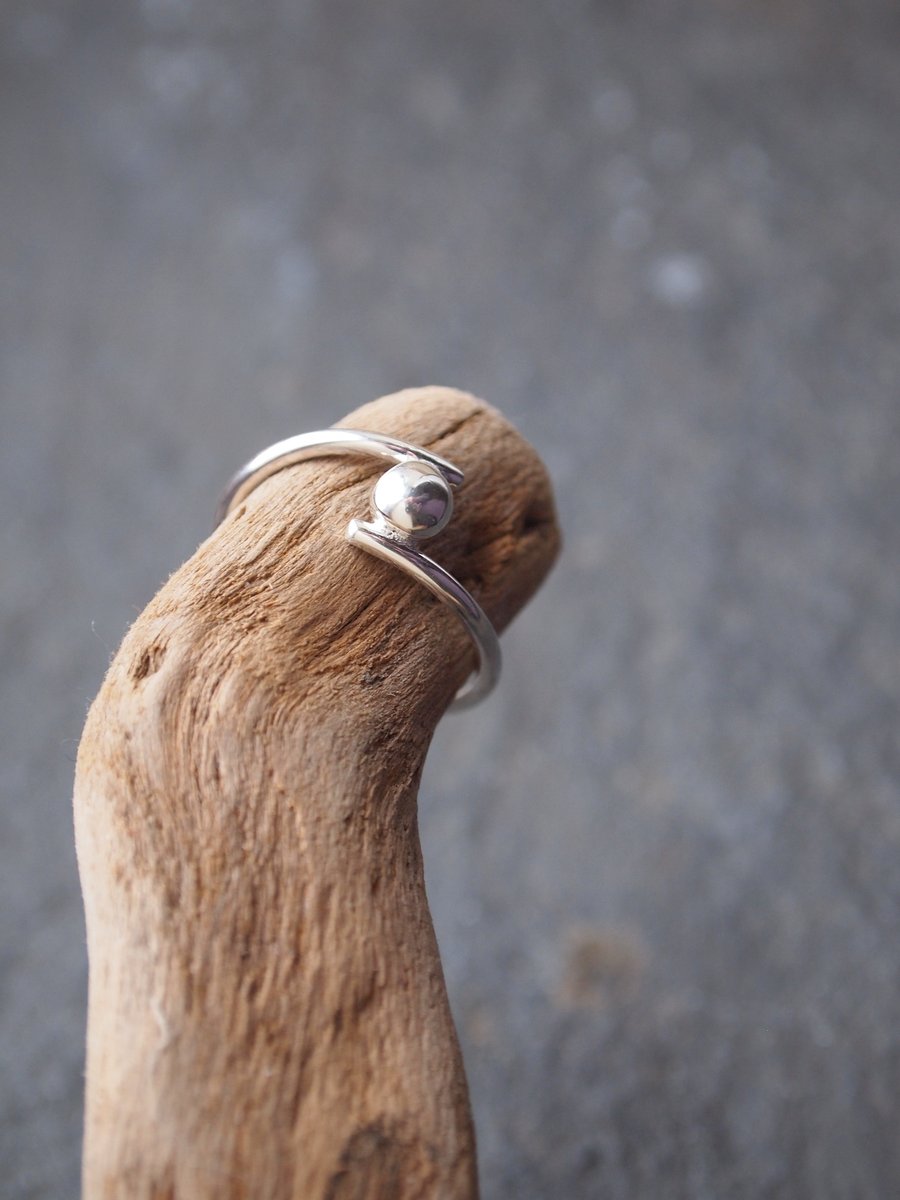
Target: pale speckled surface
{"points": [[664, 239]]}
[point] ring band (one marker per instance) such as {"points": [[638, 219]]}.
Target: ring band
{"points": [[412, 501]]}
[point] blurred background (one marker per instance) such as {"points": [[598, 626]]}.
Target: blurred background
{"points": [[664, 238]]}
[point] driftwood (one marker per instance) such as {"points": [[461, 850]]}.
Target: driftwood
{"points": [[267, 1011]]}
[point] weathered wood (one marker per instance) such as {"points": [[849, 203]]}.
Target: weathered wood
{"points": [[267, 1011]]}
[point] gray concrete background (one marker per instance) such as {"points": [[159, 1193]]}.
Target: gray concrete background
{"points": [[665, 239]]}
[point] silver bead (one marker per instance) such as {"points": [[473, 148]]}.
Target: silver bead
{"points": [[414, 499]]}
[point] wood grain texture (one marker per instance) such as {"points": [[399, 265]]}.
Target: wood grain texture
{"points": [[267, 1011]]}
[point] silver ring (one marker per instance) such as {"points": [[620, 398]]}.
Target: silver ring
{"points": [[411, 501]]}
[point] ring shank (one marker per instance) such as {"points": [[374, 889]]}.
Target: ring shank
{"points": [[442, 584], [303, 446]]}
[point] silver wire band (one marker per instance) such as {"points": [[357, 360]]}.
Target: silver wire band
{"points": [[412, 501], [326, 441]]}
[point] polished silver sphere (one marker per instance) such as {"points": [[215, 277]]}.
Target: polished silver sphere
{"points": [[414, 498]]}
